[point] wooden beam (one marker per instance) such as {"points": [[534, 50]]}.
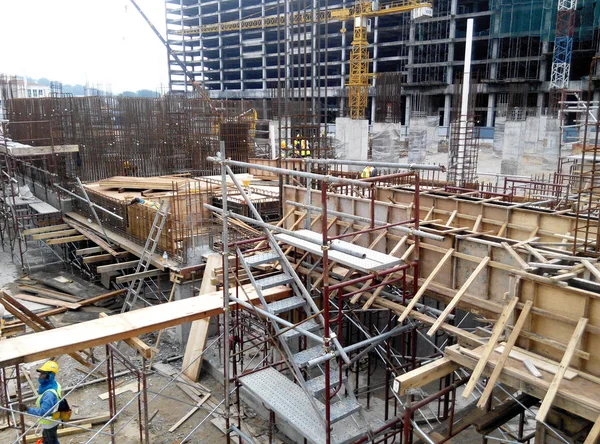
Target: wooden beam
{"points": [[424, 375], [67, 431], [594, 434], [135, 343], [53, 234], [489, 347], [27, 151], [47, 292], [45, 229], [593, 270], [86, 251], [512, 340], [189, 414], [98, 258], [516, 256], [47, 301], [458, 296], [36, 323], [66, 240], [562, 368], [118, 266], [421, 291], [140, 275], [89, 334]]}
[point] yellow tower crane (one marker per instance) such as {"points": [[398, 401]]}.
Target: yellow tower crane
{"points": [[358, 84]]}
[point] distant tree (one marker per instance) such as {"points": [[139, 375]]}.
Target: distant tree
{"points": [[146, 93], [128, 94], [44, 81]]}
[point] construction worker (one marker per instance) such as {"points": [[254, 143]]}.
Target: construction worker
{"points": [[369, 171], [283, 149], [46, 404], [297, 146], [304, 148]]}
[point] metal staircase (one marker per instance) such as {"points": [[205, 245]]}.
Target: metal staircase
{"points": [[136, 285], [301, 403]]}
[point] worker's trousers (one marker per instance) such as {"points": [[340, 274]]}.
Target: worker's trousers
{"points": [[50, 436]]}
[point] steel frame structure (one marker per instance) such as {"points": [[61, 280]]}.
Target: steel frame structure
{"points": [[247, 332]]}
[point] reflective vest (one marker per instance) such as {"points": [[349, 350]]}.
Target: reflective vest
{"points": [[47, 423], [305, 151], [366, 173]]}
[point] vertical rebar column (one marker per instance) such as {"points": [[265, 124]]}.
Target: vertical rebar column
{"points": [[111, 391], [464, 109], [325, 248], [226, 314]]}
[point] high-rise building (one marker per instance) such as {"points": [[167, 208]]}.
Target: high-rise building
{"points": [[300, 46]]}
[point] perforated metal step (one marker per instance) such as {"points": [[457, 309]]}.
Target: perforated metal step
{"points": [[317, 385], [311, 325], [342, 409], [274, 281], [289, 402], [286, 304], [261, 258], [304, 356]]}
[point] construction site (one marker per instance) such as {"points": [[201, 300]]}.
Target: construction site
{"points": [[346, 222]]}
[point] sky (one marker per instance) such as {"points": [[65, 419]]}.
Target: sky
{"points": [[103, 42]]}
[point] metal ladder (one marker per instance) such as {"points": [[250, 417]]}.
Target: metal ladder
{"points": [[137, 284], [312, 385]]}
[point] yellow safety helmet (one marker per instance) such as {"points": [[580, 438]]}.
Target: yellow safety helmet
{"points": [[49, 367], [283, 145]]}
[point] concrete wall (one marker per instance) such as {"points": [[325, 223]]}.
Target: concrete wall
{"points": [[530, 145], [387, 143], [352, 140]]}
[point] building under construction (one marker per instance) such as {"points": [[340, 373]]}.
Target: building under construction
{"points": [[306, 245]]}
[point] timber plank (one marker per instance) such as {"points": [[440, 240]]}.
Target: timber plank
{"points": [[45, 229], [86, 251], [424, 375], [594, 434], [118, 266], [89, 334], [53, 234], [512, 340], [47, 301], [423, 287], [66, 240], [192, 358], [140, 275], [489, 347], [463, 289], [564, 364]]}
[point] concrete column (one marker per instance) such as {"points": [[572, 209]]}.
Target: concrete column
{"points": [[408, 111], [447, 109], [375, 54], [184, 290], [542, 78], [490, 109], [221, 55], [450, 61]]}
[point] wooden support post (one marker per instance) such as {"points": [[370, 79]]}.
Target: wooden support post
{"points": [[593, 270], [429, 279], [594, 434], [458, 296], [562, 368], [516, 256], [512, 340], [199, 330], [451, 218], [489, 347]]}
